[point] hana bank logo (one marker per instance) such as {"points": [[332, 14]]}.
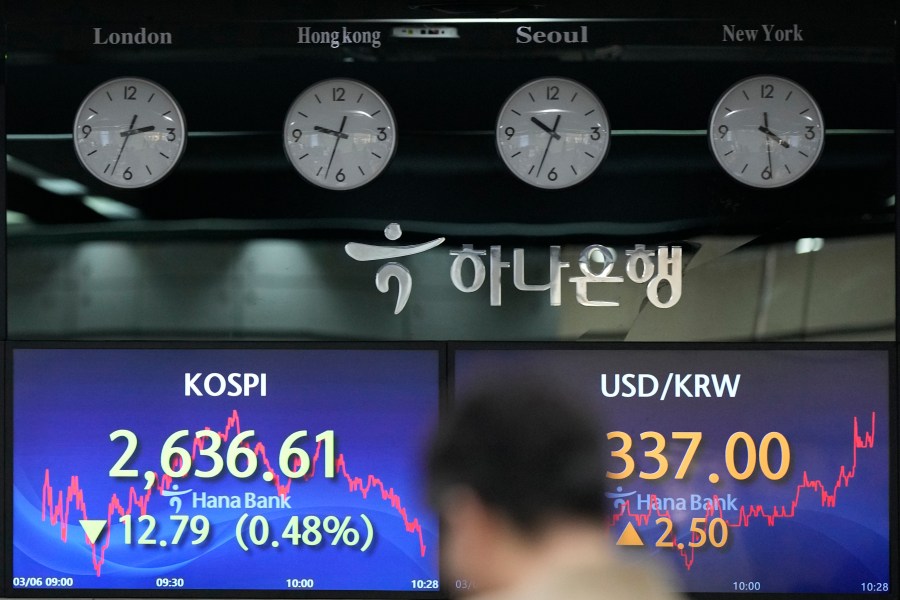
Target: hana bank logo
{"points": [[659, 269], [366, 252], [174, 496], [618, 497]]}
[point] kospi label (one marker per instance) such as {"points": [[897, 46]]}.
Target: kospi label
{"points": [[224, 384]]}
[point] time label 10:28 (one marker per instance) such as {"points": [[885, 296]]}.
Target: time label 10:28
{"points": [[240, 459], [740, 445]]}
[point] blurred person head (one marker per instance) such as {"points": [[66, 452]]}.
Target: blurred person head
{"points": [[518, 473]]}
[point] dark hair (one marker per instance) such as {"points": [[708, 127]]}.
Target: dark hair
{"points": [[531, 449]]}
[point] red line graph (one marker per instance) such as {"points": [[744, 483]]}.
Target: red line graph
{"points": [[57, 504], [826, 495]]}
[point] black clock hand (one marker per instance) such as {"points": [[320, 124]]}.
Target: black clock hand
{"points": [[343, 136], [125, 141], [772, 135], [550, 141], [552, 133], [768, 145], [138, 130], [336, 142]]}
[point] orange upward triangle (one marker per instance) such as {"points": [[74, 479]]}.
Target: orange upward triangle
{"points": [[630, 537]]}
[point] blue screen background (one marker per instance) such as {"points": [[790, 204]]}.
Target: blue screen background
{"points": [[381, 403], [812, 397]]}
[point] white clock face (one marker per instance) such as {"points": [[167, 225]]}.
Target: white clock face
{"points": [[129, 132], [552, 132], [340, 134], [766, 131]]}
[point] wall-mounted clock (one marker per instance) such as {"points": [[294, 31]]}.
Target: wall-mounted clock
{"points": [[340, 134], [766, 131], [129, 132], [552, 132]]}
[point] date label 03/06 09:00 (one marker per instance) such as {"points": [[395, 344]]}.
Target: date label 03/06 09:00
{"points": [[43, 582]]}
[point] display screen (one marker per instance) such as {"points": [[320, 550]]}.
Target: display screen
{"points": [[763, 470], [292, 470]]}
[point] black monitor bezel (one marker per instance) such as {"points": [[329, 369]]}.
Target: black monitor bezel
{"points": [[7, 435]]}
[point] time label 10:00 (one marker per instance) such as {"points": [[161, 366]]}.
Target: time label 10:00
{"points": [[740, 445], [241, 460]]}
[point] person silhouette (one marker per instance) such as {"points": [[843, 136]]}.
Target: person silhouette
{"points": [[517, 472]]}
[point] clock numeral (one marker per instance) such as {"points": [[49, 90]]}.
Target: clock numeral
{"points": [[595, 133], [86, 130], [296, 135], [171, 135], [810, 132], [127, 174], [723, 131], [339, 176], [129, 92], [509, 131], [766, 173], [552, 92], [552, 175], [765, 90], [382, 134], [337, 94]]}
